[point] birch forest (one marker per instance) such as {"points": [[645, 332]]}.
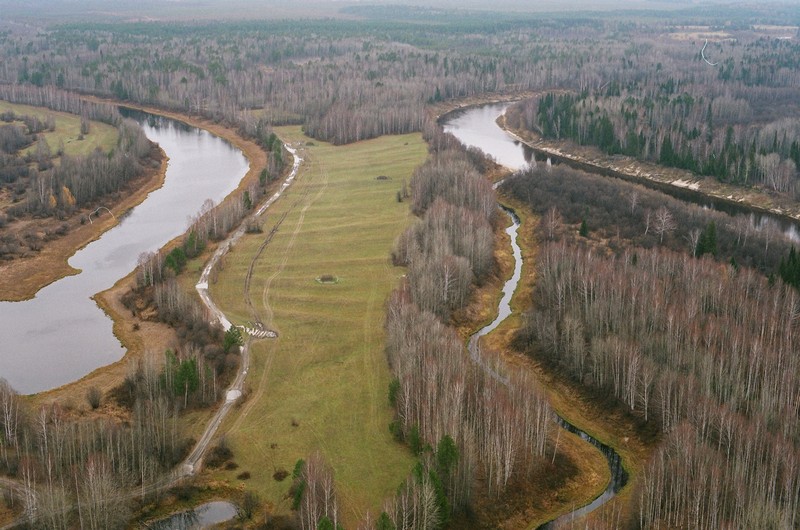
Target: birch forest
{"points": [[671, 302]]}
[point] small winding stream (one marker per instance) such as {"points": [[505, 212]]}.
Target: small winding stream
{"points": [[472, 127], [61, 334], [619, 477]]}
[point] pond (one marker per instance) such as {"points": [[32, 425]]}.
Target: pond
{"points": [[202, 516]]}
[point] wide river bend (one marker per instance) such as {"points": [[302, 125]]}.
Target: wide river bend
{"points": [[61, 335]]}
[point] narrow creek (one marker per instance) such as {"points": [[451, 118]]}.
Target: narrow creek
{"points": [[469, 128], [619, 477]]}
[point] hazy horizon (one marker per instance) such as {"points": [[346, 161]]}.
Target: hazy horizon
{"points": [[153, 10]]}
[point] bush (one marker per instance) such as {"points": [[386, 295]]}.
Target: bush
{"points": [[94, 396], [184, 492], [219, 455], [249, 504], [233, 337]]}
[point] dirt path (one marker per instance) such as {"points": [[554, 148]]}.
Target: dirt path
{"points": [[267, 308], [192, 464]]}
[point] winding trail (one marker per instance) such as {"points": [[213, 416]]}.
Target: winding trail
{"points": [[225, 246], [192, 463], [703, 54]]}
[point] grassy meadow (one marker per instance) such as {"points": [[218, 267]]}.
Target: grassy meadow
{"points": [[322, 385], [68, 129]]}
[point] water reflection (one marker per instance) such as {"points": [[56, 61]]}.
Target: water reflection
{"points": [[504, 308], [477, 127], [200, 517], [619, 477], [61, 335]]}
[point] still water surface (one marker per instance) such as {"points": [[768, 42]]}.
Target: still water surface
{"points": [[61, 335], [476, 127], [200, 517]]}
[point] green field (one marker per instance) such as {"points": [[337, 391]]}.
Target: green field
{"points": [[68, 129], [322, 385]]}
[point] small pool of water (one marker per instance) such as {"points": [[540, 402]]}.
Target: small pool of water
{"points": [[202, 516]]}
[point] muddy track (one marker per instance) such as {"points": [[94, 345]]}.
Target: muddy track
{"points": [[249, 276]]}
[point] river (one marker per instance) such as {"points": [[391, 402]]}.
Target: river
{"points": [[61, 335], [476, 127]]}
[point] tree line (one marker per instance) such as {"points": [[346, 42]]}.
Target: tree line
{"points": [[56, 98], [623, 214], [344, 82], [681, 113], [47, 184], [472, 428], [83, 471], [349, 81], [88, 470], [81, 180]]}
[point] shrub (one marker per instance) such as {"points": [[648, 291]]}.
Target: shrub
{"points": [[94, 396]]}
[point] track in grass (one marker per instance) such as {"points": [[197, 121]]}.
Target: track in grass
{"points": [[322, 385]]}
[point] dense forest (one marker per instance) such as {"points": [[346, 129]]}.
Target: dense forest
{"points": [[682, 316], [682, 336], [622, 214], [737, 121], [344, 81]]}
